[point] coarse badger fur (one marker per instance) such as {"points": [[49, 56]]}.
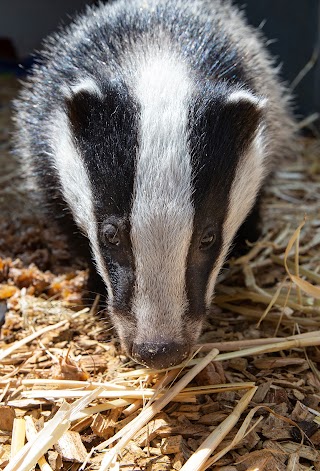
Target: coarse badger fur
{"points": [[153, 124]]}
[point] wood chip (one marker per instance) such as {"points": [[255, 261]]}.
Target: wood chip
{"points": [[276, 428], [212, 374], [214, 418], [104, 426], [40, 280], [264, 460], [189, 415], [7, 416], [150, 431], [272, 363], [4, 455], [71, 448], [261, 392], [172, 445], [306, 452], [55, 460], [178, 461]]}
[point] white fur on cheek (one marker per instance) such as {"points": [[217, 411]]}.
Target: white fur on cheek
{"points": [[76, 188], [246, 184], [162, 212]]}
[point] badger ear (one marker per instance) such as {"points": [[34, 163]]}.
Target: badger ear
{"points": [[243, 113], [82, 99]]}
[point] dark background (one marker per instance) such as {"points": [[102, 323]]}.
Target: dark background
{"points": [[292, 26]]}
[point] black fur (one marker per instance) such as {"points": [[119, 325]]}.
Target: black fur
{"points": [[220, 133], [105, 133]]}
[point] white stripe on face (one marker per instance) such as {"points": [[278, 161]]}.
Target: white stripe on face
{"points": [[162, 212], [246, 184], [76, 188]]}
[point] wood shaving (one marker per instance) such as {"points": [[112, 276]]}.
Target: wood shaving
{"points": [[69, 398]]}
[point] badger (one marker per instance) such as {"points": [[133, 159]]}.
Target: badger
{"points": [[151, 126]]}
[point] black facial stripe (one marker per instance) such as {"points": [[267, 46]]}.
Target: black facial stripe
{"points": [[105, 133], [220, 133], [121, 273], [121, 267]]}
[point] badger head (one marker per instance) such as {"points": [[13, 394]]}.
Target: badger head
{"points": [[159, 174]]}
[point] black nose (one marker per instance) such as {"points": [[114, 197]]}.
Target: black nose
{"points": [[159, 355]]}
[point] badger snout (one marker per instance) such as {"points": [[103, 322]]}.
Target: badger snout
{"points": [[160, 353]]}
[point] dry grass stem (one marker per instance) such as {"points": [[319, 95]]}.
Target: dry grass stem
{"points": [[30, 454], [18, 436], [17, 345], [198, 459], [304, 285], [242, 432], [296, 341], [80, 395], [31, 433], [150, 411], [241, 344]]}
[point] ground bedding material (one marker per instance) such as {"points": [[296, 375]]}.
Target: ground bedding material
{"points": [[250, 399]]}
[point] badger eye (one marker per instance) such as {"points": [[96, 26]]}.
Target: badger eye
{"points": [[110, 234], [208, 238]]}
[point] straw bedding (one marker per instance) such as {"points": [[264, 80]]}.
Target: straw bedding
{"points": [[250, 397]]}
